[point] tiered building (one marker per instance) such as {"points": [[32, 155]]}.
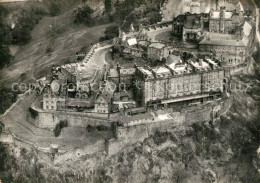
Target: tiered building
{"points": [[223, 41], [178, 81]]}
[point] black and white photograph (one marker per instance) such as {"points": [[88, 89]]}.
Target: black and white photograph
{"points": [[129, 91]]}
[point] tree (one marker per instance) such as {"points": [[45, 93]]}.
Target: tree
{"points": [[111, 32], [83, 15], [179, 175], [21, 35], [108, 5], [54, 9], [5, 55], [5, 36]]}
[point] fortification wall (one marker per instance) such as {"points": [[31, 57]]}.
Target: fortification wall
{"points": [[198, 116], [134, 134], [49, 120]]}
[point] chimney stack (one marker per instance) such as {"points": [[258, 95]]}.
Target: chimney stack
{"points": [[200, 62]]}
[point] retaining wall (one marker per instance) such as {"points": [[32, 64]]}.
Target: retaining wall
{"points": [[130, 135], [49, 120]]}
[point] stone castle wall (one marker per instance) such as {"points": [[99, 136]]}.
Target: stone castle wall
{"points": [[134, 134], [49, 120]]}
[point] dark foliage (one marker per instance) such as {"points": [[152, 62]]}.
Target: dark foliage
{"points": [[83, 15], [21, 34], [108, 5], [5, 38], [54, 9], [58, 128], [110, 33], [7, 98]]}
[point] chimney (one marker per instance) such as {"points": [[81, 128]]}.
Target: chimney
{"points": [[154, 73], [200, 62], [118, 70]]}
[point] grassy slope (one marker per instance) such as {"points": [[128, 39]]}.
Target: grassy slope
{"points": [[31, 60]]}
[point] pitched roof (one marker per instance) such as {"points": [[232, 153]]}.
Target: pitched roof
{"points": [[245, 27]]}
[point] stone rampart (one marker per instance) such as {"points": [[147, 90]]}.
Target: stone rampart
{"points": [[49, 119], [126, 136]]}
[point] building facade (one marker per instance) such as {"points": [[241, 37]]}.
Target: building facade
{"points": [[178, 82]]}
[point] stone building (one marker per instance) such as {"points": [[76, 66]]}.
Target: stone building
{"points": [[231, 49], [196, 79], [157, 51], [223, 21], [52, 101], [104, 99], [122, 77], [190, 27]]}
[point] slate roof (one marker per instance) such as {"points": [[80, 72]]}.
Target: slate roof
{"points": [[245, 27]]}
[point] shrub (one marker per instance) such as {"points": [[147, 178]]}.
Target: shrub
{"points": [[111, 32], [49, 50], [54, 9], [83, 15], [58, 128]]}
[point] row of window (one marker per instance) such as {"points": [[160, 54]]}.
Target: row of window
{"points": [[49, 107]]}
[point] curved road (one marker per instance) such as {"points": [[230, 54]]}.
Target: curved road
{"points": [[98, 60]]}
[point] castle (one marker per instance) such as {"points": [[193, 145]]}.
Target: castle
{"points": [[158, 78], [222, 42]]}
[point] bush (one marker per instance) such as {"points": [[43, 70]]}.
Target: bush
{"points": [[90, 128], [102, 128], [83, 15], [111, 32], [59, 127], [7, 98], [108, 5], [21, 34], [5, 55], [54, 9], [49, 50], [5, 36]]}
